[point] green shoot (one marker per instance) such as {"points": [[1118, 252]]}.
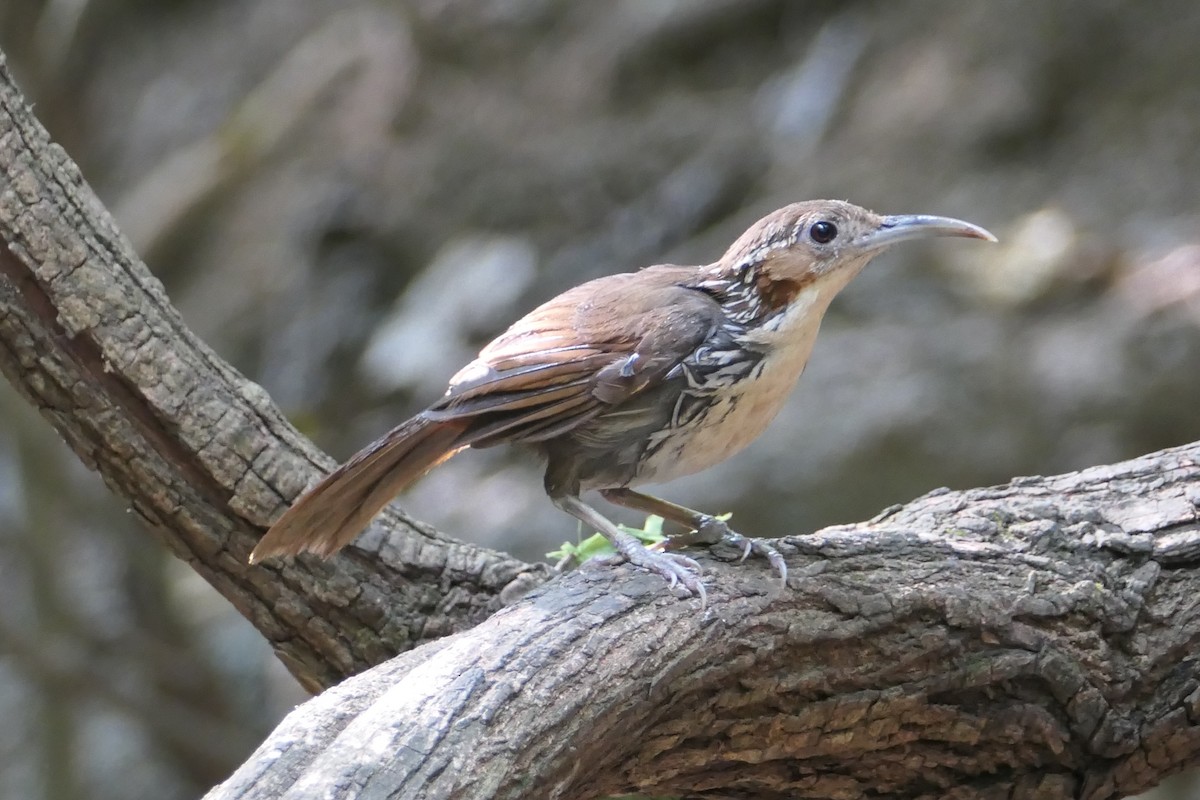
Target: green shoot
{"points": [[596, 545]]}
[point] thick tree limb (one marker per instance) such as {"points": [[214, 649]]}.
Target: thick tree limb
{"points": [[1030, 640], [203, 457]]}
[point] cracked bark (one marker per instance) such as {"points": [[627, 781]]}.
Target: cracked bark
{"points": [[1029, 640], [203, 457]]}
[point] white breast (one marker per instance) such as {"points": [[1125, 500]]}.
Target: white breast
{"points": [[741, 413]]}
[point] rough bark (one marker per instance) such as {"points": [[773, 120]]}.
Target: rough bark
{"points": [[1027, 640], [201, 454]]}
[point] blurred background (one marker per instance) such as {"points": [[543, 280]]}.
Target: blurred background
{"points": [[346, 198]]}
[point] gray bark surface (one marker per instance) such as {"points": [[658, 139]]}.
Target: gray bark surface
{"points": [[88, 336], [1029, 640]]}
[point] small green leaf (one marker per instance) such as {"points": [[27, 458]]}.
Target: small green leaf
{"points": [[651, 533], [596, 545]]}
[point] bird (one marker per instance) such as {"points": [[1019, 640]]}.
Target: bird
{"points": [[629, 379]]}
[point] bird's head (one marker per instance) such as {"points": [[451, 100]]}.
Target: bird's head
{"points": [[804, 242]]}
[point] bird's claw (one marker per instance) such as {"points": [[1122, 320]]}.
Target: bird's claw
{"points": [[712, 530], [677, 569], [760, 548], [747, 546]]}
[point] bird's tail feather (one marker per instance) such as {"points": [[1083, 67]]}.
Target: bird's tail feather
{"points": [[328, 516]]}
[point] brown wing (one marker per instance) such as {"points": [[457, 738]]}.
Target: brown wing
{"points": [[581, 353]]}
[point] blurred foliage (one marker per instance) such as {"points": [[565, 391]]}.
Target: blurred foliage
{"points": [[345, 198]]}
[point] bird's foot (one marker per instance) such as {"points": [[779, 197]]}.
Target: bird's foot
{"points": [[680, 571], [712, 530]]}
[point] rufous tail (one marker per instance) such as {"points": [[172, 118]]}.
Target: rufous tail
{"points": [[328, 516]]}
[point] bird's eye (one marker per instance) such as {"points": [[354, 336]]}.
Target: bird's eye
{"points": [[822, 232]]}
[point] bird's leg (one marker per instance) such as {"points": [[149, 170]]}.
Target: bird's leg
{"points": [[704, 528], [677, 569]]}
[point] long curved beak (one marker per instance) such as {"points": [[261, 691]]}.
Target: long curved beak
{"points": [[903, 227]]}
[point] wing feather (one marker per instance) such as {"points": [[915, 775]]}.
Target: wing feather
{"points": [[532, 426], [567, 362]]}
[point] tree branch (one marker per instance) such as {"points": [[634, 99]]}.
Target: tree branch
{"points": [[1029, 640], [201, 454]]}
